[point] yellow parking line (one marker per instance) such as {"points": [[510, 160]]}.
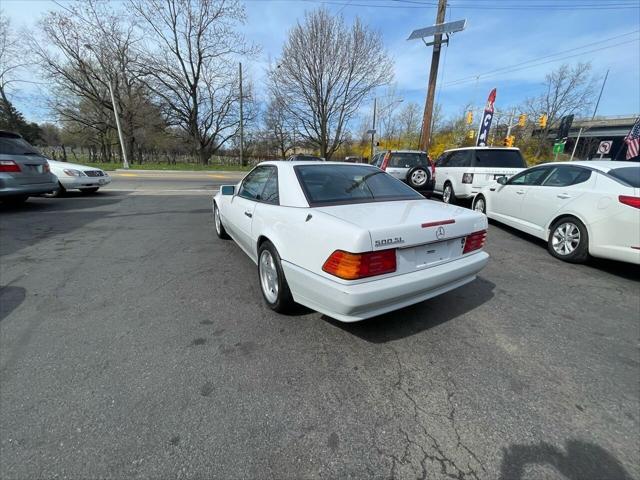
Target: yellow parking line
{"points": [[125, 174]]}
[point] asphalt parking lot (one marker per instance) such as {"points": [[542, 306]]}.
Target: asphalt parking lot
{"points": [[135, 344]]}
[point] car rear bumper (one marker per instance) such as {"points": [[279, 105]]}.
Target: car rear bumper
{"points": [[9, 188], [351, 303]]}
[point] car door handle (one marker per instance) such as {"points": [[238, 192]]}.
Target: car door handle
{"points": [[520, 192], [564, 195], [248, 214]]}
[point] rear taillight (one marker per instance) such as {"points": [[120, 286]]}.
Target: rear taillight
{"points": [[385, 161], [9, 166], [351, 266], [475, 241], [467, 178], [433, 168], [631, 201]]}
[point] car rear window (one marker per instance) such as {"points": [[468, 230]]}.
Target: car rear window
{"points": [[629, 175], [407, 160], [344, 184], [499, 159], [10, 145]]}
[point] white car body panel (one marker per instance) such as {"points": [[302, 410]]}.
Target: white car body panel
{"points": [[306, 236], [613, 227], [73, 182]]}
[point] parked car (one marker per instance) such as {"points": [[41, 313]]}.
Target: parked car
{"points": [[24, 172], [413, 167], [71, 176], [579, 208], [462, 172], [303, 157], [347, 240]]}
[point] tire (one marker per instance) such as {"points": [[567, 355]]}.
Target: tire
{"points": [[273, 284], [480, 204], [448, 195], [417, 177], [569, 240], [15, 200], [217, 222], [57, 193], [89, 190]]}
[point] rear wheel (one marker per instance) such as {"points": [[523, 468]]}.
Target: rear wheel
{"points": [[448, 195], [480, 204], [569, 240], [273, 285], [89, 190], [417, 177]]}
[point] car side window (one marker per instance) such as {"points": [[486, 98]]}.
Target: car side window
{"points": [[459, 159], [534, 176], [565, 175], [254, 183], [270, 192]]}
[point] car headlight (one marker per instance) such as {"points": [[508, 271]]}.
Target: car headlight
{"points": [[73, 173]]}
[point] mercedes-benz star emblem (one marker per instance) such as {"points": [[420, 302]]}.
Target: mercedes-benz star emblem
{"points": [[440, 233]]}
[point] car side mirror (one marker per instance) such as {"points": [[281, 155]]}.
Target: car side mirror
{"points": [[502, 180], [228, 189]]}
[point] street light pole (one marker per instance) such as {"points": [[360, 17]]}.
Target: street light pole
{"points": [[373, 128], [125, 162], [241, 118]]}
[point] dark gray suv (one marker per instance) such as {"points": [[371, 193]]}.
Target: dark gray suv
{"points": [[24, 172]]}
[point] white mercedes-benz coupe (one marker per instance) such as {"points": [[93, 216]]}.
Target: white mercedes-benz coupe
{"points": [[347, 240], [578, 208], [72, 176]]}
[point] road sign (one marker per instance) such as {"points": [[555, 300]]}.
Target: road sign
{"points": [[558, 147], [604, 147]]}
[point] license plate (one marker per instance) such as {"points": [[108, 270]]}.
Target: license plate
{"points": [[36, 168], [434, 253]]}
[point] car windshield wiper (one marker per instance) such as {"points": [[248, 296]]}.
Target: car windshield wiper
{"points": [[357, 183]]}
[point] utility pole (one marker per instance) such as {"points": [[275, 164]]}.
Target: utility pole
{"points": [[373, 129], [510, 124], [433, 75], [241, 119], [125, 162], [595, 110]]}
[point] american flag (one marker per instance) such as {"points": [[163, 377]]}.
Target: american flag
{"points": [[633, 140]]}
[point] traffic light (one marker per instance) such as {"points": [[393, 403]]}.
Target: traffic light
{"points": [[522, 120], [509, 141], [542, 122], [471, 134], [469, 117]]}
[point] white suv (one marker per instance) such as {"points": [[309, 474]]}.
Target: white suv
{"points": [[462, 172]]}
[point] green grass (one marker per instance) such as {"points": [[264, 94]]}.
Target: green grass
{"points": [[164, 166]]}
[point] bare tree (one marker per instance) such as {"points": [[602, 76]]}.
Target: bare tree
{"points": [[280, 131], [82, 50], [324, 73], [568, 90], [190, 66], [12, 61], [409, 122]]}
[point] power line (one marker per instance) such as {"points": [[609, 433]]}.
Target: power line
{"points": [[580, 47], [496, 72]]}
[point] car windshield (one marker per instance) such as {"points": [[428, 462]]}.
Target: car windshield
{"points": [[10, 145], [629, 175], [500, 158], [407, 160], [344, 184]]}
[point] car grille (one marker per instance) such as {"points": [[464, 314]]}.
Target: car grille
{"points": [[94, 173]]}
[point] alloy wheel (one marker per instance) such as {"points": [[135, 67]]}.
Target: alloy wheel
{"points": [[565, 238], [268, 276]]}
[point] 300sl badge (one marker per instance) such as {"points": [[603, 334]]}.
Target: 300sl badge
{"points": [[388, 241]]}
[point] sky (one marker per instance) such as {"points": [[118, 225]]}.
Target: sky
{"points": [[498, 48]]}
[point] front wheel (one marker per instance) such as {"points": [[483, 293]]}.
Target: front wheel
{"points": [[89, 190], [273, 285], [569, 240], [480, 204], [220, 231]]}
